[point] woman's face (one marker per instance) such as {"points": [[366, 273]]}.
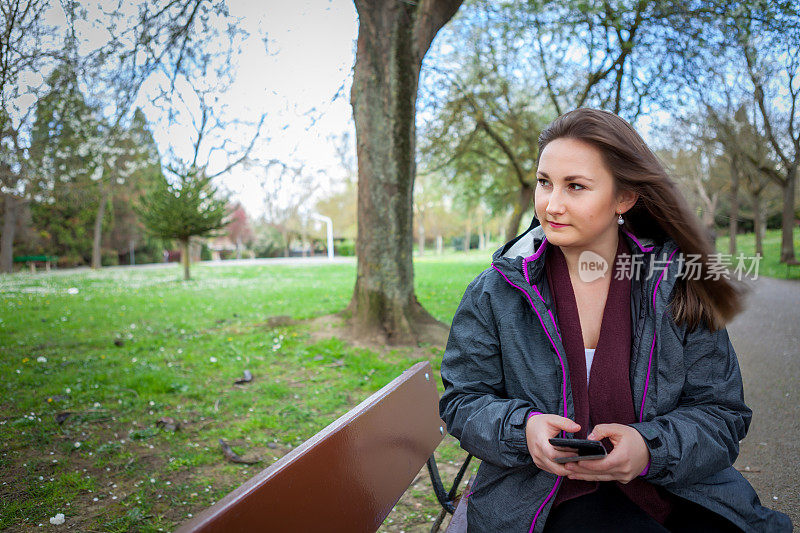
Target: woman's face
{"points": [[576, 200]]}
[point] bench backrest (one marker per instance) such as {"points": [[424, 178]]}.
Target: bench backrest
{"points": [[347, 477]]}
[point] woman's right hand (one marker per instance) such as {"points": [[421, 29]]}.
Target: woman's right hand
{"points": [[538, 430]]}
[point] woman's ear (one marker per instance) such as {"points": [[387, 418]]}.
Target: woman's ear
{"points": [[625, 200]]}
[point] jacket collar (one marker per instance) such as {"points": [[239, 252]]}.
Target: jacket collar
{"points": [[523, 258]]}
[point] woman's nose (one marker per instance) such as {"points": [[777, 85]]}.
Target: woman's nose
{"points": [[554, 203]]}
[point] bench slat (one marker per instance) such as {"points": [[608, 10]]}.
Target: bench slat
{"points": [[458, 522], [347, 477]]}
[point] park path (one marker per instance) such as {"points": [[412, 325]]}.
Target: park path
{"points": [[292, 261], [766, 337]]}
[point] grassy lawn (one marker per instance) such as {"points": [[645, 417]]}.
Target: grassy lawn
{"points": [[768, 266], [119, 349]]}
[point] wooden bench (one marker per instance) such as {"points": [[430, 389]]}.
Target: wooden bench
{"points": [[350, 475]]}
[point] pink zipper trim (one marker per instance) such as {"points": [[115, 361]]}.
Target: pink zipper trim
{"points": [[539, 511], [563, 382], [552, 318], [530, 301], [652, 346], [642, 248], [527, 278], [530, 258]]}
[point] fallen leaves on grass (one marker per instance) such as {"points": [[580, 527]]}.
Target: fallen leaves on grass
{"points": [[233, 457], [167, 423]]}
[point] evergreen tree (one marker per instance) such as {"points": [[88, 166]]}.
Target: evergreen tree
{"points": [[191, 207], [137, 167], [64, 159]]}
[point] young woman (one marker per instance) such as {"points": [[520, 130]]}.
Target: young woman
{"points": [[592, 325]]}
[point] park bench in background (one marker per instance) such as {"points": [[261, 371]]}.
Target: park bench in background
{"points": [[349, 476], [33, 260]]}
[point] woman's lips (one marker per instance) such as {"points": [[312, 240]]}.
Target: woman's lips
{"points": [[558, 225]]}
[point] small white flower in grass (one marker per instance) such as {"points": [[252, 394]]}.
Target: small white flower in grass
{"points": [[212, 359], [152, 402], [67, 390], [94, 499], [41, 359], [58, 519], [152, 480], [73, 290], [77, 444], [133, 360]]}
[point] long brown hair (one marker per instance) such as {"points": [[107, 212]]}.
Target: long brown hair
{"points": [[660, 212]]}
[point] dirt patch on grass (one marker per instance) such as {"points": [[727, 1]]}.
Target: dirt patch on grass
{"points": [[335, 325]]}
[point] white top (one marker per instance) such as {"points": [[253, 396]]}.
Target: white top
{"points": [[589, 358]]}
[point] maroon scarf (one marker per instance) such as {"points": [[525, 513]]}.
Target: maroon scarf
{"points": [[608, 398]]}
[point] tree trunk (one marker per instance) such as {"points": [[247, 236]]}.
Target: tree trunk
{"points": [[524, 198], [185, 259], [439, 245], [733, 221], [421, 230], [481, 233], [285, 235], [98, 226], [787, 220], [468, 233], [10, 205], [759, 222], [393, 38]]}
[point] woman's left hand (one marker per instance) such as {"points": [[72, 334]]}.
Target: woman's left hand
{"points": [[626, 461]]}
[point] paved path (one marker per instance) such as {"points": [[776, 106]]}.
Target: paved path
{"points": [[300, 261], [766, 337]]}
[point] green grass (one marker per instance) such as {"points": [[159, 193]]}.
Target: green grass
{"points": [[179, 347], [769, 264], [122, 348]]}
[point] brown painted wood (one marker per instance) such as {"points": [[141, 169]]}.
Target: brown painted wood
{"points": [[348, 476], [458, 522]]}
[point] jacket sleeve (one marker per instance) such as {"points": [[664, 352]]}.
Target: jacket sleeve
{"points": [[701, 435], [474, 405]]}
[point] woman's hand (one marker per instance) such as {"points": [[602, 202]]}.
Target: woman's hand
{"points": [[626, 461], [538, 430]]}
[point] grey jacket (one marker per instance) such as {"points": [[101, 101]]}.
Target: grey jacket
{"points": [[504, 359]]}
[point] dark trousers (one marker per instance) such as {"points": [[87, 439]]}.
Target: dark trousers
{"points": [[608, 509]]}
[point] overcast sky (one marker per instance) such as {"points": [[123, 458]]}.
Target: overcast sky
{"points": [[304, 70]]}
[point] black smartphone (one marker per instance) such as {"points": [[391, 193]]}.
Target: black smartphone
{"points": [[587, 449]]}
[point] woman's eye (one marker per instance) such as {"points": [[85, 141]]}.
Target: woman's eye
{"points": [[577, 185], [542, 182]]}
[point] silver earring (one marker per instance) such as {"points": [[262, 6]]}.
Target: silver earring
{"points": [[619, 220]]}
